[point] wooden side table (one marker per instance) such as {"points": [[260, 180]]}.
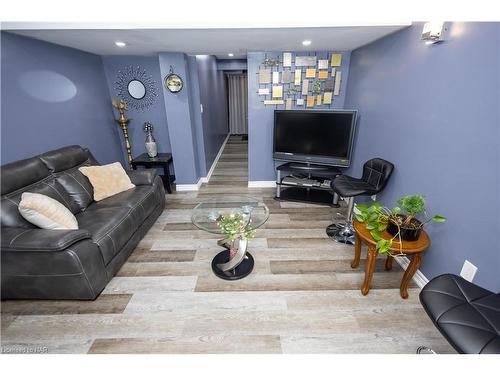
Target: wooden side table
{"points": [[162, 160], [414, 248]]}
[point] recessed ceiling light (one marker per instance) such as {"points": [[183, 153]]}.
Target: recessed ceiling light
{"points": [[230, 54], [306, 43], [121, 44]]}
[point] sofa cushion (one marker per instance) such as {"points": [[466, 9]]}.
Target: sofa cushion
{"points": [[22, 173], [141, 198], [110, 227], [64, 158], [78, 188], [9, 212], [107, 180], [142, 176], [64, 163], [45, 212]]}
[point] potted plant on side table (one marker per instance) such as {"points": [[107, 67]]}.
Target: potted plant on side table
{"points": [[403, 222]]}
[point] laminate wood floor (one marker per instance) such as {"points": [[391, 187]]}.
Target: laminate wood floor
{"points": [[302, 296]]}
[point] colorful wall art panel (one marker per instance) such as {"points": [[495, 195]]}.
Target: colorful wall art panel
{"points": [[296, 79]]}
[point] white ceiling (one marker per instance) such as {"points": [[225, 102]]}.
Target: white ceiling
{"points": [[210, 41]]}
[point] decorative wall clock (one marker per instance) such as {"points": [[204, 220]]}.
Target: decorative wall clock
{"points": [[173, 82]]}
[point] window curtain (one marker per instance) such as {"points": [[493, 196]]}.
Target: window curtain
{"points": [[238, 103]]}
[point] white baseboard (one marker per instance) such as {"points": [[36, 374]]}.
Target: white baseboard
{"points": [[189, 187], [419, 277], [261, 184], [205, 180]]}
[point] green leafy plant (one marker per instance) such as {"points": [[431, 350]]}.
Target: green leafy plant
{"points": [[413, 205], [235, 226], [377, 217]]}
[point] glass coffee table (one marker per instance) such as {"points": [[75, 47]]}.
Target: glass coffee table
{"points": [[247, 214]]}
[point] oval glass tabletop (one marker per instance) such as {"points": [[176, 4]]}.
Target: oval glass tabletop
{"points": [[205, 214]]}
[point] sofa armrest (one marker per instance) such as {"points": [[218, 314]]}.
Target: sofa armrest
{"points": [[21, 239], [142, 176]]}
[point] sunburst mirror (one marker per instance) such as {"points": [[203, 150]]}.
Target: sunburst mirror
{"points": [[136, 88]]}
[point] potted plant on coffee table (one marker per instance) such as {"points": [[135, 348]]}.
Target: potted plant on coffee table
{"points": [[235, 227], [403, 222]]}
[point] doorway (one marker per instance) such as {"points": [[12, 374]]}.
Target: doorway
{"points": [[237, 84]]}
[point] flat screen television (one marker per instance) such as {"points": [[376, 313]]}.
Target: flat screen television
{"points": [[315, 137]]}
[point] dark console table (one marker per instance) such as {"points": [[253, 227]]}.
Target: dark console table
{"points": [[312, 191], [162, 160]]}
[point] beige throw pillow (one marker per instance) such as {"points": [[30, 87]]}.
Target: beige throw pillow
{"points": [[45, 212], [107, 180]]}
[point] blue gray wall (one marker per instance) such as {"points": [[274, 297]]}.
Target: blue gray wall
{"points": [[213, 96], [54, 96], [154, 114], [433, 110], [261, 166], [196, 137], [232, 64], [195, 113], [204, 84], [181, 127]]}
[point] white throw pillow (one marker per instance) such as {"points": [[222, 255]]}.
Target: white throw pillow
{"points": [[45, 212], [107, 180]]}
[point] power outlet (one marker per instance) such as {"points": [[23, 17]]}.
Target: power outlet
{"points": [[468, 271]]}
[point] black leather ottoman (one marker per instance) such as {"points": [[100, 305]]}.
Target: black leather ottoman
{"points": [[467, 315]]}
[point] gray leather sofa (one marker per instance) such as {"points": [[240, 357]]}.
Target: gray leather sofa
{"points": [[70, 264]]}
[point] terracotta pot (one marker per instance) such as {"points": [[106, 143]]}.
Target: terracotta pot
{"points": [[407, 234]]}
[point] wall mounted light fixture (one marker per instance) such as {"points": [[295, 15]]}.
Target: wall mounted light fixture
{"points": [[433, 32]]}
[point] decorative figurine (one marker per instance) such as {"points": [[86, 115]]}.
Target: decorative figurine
{"points": [[123, 122], [151, 147]]}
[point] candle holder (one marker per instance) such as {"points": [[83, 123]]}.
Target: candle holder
{"points": [[123, 122]]}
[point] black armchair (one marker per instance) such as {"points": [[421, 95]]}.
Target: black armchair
{"points": [[376, 173]]}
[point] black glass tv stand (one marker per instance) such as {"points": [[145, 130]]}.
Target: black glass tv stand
{"points": [[303, 182]]}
